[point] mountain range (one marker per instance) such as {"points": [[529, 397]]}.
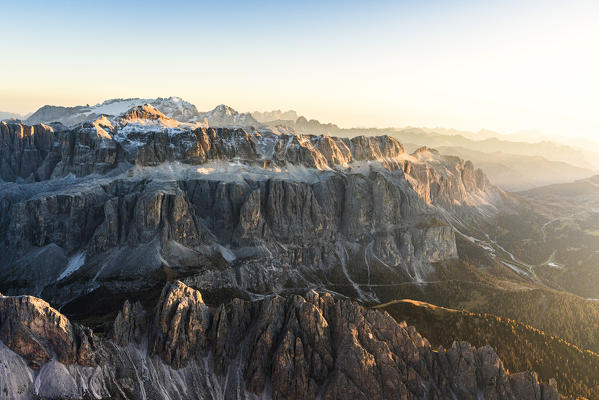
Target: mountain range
{"points": [[148, 250], [173, 107], [513, 162]]}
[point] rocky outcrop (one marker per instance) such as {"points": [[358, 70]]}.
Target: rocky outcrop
{"points": [[181, 324], [440, 186], [281, 348], [39, 333], [129, 325]]}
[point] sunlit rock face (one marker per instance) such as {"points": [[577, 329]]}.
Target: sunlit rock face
{"points": [[118, 205], [37, 332], [298, 347]]}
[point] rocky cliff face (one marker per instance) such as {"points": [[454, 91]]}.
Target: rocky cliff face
{"points": [[116, 205], [38, 153], [281, 347]]}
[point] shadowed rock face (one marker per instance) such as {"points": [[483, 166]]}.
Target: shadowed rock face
{"points": [[37, 153], [281, 347], [23, 150]]}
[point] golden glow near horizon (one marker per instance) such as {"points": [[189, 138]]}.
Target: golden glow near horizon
{"points": [[515, 66]]}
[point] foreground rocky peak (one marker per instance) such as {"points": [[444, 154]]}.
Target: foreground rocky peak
{"points": [[181, 323], [39, 333], [293, 348]]}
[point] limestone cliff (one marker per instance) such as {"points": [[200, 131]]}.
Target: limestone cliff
{"points": [[114, 205]]}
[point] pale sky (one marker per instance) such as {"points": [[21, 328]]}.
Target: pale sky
{"points": [[501, 65]]}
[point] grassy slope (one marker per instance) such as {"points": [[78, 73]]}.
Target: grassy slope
{"points": [[520, 346]]}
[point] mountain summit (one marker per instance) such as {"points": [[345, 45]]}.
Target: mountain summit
{"points": [[147, 115], [224, 116]]}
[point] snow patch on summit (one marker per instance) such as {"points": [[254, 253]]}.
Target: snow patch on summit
{"points": [[117, 106]]}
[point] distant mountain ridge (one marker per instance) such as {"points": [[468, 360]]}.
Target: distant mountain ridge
{"points": [[10, 115], [275, 115], [516, 172], [172, 107]]}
